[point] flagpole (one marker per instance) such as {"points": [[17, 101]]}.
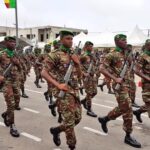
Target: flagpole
{"points": [[16, 14]]}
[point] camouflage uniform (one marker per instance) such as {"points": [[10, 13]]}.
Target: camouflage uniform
{"points": [[69, 106], [38, 66], [37, 69], [11, 89], [132, 92], [106, 81], [144, 65], [90, 85], [23, 76], [115, 61]]}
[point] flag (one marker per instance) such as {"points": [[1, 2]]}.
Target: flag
{"points": [[10, 3]]}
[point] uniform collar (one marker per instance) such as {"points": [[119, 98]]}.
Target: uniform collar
{"points": [[147, 52], [88, 53], [65, 49], [118, 49], [10, 53]]}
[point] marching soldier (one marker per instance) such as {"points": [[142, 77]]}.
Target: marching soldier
{"points": [[132, 91], [10, 84], [56, 65], [111, 67], [89, 80], [38, 67], [142, 69]]}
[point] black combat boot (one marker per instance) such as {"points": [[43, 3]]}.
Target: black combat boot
{"points": [[37, 83], [90, 112], [52, 107], [131, 141], [51, 99], [72, 147], [135, 105], [46, 96], [110, 92], [56, 135], [5, 117], [60, 119], [42, 81], [23, 93], [101, 86], [13, 131], [138, 113], [103, 121], [17, 108], [83, 102]]}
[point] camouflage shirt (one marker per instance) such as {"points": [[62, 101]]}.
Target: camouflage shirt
{"points": [[144, 64], [114, 63], [57, 63], [86, 60], [14, 72]]}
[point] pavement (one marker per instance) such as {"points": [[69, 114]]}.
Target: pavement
{"points": [[34, 121]]}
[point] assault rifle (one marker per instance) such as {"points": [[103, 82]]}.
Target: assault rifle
{"points": [[69, 72]]}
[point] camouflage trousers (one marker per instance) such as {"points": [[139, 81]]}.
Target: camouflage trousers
{"points": [[132, 92], [11, 93], [146, 98], [22, 80], [124, 108], [37, 73], [90, 90], [71, 112]]}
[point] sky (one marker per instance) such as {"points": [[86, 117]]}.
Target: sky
{"points": [[94, 15]]}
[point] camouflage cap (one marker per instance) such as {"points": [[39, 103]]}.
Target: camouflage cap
{"points": [[88, 43], [9, 38], [147, 41], [65, 33], [120, 36]]}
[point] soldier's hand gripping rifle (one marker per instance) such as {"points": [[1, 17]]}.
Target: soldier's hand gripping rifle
{"points": [[135, 56], [90, 68], [124, 70], [69, 72]]}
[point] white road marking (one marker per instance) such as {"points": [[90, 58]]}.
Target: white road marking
{"points": [[95, 131], [110, 102], [103, 106], [37, 139], [145, 116], [34, 91], [31, 110], [136, 127], [2, 124], [120, 119]]}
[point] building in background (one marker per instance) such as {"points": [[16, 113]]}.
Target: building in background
{"points": [[41, 34]]}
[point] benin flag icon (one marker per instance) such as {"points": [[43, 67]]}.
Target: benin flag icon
{"points": [[10, 3]]}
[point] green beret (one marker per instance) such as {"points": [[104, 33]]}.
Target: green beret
{"points": [[88, 43], [55, 42], [65, 33], [9, 38], [120, 36], [147, 41]]}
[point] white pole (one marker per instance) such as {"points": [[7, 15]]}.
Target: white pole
{"points": [[16, 13]]}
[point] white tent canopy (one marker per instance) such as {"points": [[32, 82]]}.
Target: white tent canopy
{"points": [[137, 37], [2, 38], [106, 39]]}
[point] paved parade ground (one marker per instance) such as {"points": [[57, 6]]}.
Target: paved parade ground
{"points": [[35, 119]]}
